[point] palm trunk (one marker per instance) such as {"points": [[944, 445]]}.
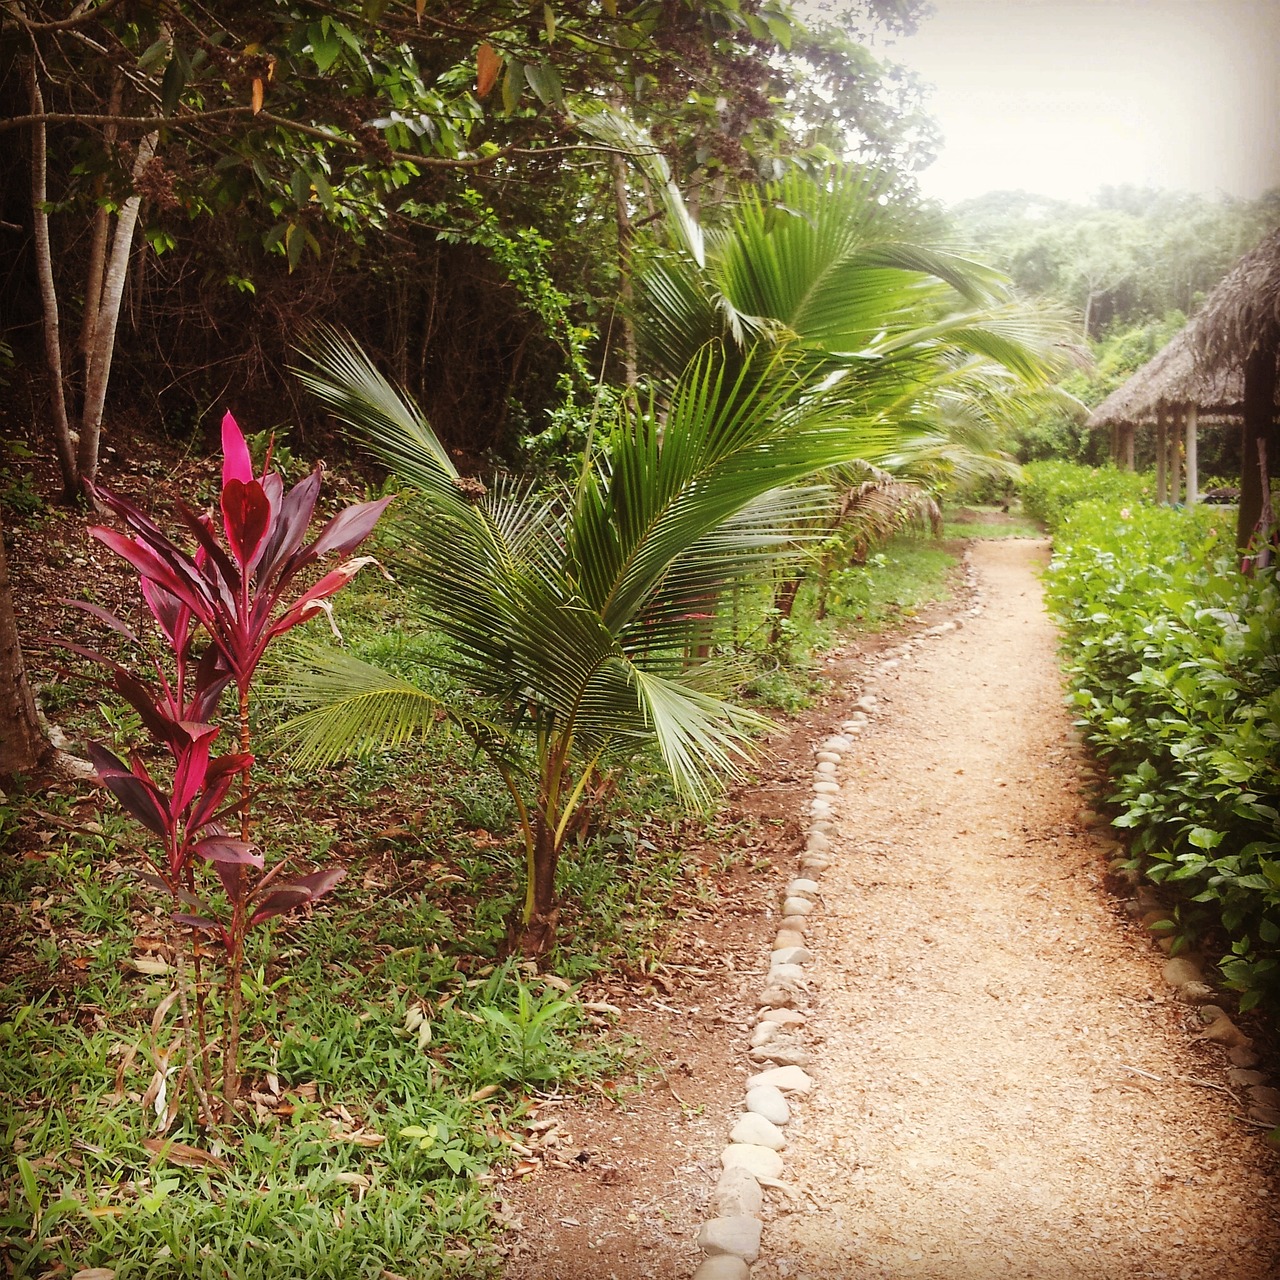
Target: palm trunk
{"points": [[537, 930], [64, 442]]}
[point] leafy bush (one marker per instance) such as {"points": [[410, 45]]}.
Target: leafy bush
{"points": [[1175, 667], [1051, 489]]}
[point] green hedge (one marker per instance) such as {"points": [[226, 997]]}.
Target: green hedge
{"points": [[1051, 489], [1174, 660]]}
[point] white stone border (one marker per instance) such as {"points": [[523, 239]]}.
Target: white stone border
{"points": [[752, 1161]]}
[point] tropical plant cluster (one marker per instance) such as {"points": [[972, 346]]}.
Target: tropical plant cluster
{"points": [[1174, 660]]}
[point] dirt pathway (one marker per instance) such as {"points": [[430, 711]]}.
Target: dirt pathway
{"points": [[1005, 1087]]}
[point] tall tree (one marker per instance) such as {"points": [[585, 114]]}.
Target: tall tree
{"points": [[23, 747]]}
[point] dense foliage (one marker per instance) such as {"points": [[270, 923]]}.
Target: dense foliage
{"points": [[1050, 490], [1174, 660]]}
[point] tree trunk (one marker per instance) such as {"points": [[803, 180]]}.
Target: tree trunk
{"points": [[784, 601], [1259, 425], [104, 341], [64, 442], [98, 243], [626, 292], [23, 748]]}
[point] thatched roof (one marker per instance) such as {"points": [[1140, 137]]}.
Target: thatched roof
{"points": [[1172, 377], [1243, 312]]}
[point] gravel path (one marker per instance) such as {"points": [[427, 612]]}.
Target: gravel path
{"points": [[1006, 1088]]}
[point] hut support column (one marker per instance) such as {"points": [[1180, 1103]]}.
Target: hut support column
{"points": [[1259, 425], [1173, 471], [1162, 459], [1127, 434], [1192, 448]]}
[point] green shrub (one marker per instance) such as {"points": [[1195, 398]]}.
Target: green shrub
{"points": [[1175, 668], [1050, 489]]}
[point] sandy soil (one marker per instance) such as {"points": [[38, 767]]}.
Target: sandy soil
{"points": [[1005, 1087]]}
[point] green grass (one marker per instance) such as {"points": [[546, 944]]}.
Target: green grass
{"points": [[372, 1144], [901, 578]]}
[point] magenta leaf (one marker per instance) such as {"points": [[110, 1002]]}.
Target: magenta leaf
{"points": [[193, 766], [224, 850], [293, 894], [308, 603], [245, 516], [219, 776], [236, 463], [138, 796]]}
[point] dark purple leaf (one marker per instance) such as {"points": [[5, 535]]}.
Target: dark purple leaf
{"points": [[195, 922], [290, 526], [172, 573], [293, 894], [154, 881], [212, 677], [349, 528], [169, 613], [220, 776], [159, 724], [245, 516], [226, 850], [233, 879], [226, 574], [104, 616], [137, 796]]}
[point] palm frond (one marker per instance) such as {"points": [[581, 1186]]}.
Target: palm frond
{"points": [[353, 707]]}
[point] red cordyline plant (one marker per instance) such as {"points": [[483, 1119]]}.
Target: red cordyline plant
{"points": [[238, 599]]}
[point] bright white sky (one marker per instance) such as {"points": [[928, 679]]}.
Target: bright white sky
{"points": [[1060, 97]]}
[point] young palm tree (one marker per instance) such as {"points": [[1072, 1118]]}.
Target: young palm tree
{"points": [[571, 615]]}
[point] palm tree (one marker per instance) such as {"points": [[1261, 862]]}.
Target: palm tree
{"points": [[572, 615]]}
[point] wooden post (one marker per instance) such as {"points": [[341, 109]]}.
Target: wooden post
{"points": [[1190, 424], [1115, 444], [1162, 459], [1130, 431], [1173, 472]]}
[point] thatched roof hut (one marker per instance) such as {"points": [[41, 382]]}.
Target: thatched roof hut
{"points": [[1238, 329], [1220, 369], [1171, 379]]}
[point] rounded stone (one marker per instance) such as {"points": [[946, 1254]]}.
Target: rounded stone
{"points": [[776, 998], [1178, 971], [758, 1131], [832, 758], [724, 1267], [788, 1079], [802, 888], [784, 1017], [825, 788], [789, 937], [785, 975], [760, 1162], [837, 743], [791, 955], [780, 1053], [1242, 1055], [813, 865], [820, 807], [825, 768], [796, 907], [769, 1102], [737, 1192], [817, 842], [763, 1033]]}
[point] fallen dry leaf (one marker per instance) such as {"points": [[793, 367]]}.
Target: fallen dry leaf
{"points": [[181, 1154]]}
